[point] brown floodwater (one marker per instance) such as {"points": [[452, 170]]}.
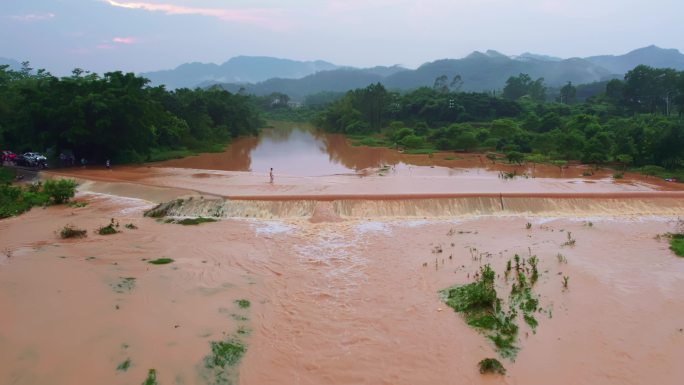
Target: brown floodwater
{"points": [[350, 302], [342, 272]]}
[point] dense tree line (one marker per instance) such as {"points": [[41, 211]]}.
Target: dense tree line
{"points": [[114, 116], [636, 121]]}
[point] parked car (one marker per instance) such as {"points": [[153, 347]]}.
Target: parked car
{"points": [[8, 156], [32, 159]]}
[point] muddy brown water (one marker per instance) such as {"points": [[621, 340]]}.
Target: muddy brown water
{"points": [[335, 302], [343, 290]]}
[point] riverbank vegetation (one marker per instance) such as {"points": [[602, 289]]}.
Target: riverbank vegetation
{"points": [[633, 123], [15, 200], [116, 116]]}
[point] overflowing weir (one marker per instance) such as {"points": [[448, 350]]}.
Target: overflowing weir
{"points": [[427, 207]]}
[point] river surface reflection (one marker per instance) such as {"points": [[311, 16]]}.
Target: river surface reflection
{"points": [[292, 149]]}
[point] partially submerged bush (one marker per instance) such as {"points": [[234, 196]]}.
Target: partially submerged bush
{"points": [[243, 303], [491, 365], [15, 200], [70, 231], [60, 190], [194, 221], [160, 261], [677, 244], [111, 228], [224, 354], [151, 377]]}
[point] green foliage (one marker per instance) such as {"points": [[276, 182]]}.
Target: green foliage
{"points": [[492, 366], [151, 377], [70, 231], [617, 126], [225, 353], [194, 221], [60, 190], [160, 261], [7, 175], [122, 367], [523, 86], [243, 303], [15, 200], [115, 116], [111, 228], [677, 244]]}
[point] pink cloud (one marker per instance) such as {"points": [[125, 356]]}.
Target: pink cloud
{"points": [[124, 40], [264, 17]]}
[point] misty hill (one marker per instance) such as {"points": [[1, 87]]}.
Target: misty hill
{"points": [[652, 56], [240, 69], [490, 70], [340, 80], [480, 71]]}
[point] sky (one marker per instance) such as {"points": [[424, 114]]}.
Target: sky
{"points": [[146, 35]]}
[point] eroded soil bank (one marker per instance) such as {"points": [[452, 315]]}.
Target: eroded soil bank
{"points": [[349, 302]]}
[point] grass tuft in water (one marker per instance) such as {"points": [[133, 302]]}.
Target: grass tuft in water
{"points": [[491, 366], [70, 231], [243, 303], [151, 377], [131, 226], [194, 221], [122, 367], [677, 244], [126, 284], [111, 228], [224, 354], [160, 261]]}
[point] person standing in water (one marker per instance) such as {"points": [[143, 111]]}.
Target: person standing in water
{"points": [[270, 174]]}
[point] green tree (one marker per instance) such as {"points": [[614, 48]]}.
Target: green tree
{"points": [[568, 94]]}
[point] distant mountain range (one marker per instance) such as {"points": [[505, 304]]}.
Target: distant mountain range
{"points": [[240, 69], [480, 71]]}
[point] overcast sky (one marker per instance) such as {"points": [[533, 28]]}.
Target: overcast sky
{"points": [[142, 35]]}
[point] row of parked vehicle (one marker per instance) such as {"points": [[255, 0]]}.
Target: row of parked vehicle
{"points": [[28, 159]]}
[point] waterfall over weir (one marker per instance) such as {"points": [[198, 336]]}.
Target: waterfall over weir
{"points": [[441, 207]]}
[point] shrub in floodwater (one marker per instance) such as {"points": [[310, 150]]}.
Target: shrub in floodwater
{"points": [[561, 258], [224, 353], [131, 226], [565, 281], [70, 231], [531, 321], [111, 228], [122, 367], [677, 244], [61, 190], [618, 175], [482, 309], [491, 365], [571, 241], [151, 377], [528, 225], [243, 303], [194, 221], [160, 261]]}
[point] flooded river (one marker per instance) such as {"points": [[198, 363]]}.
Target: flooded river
{"points": [[342, 269]]}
